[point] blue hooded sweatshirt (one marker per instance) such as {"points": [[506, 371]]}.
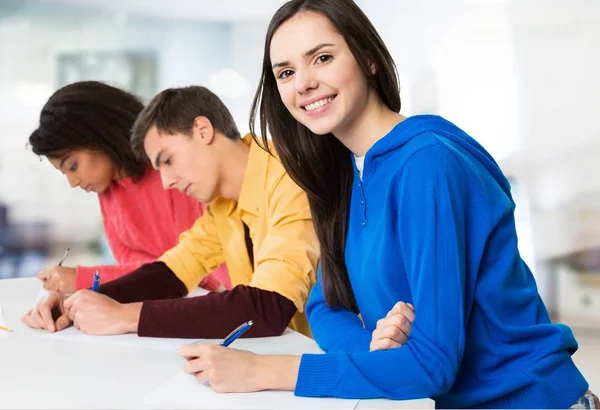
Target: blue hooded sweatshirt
{"points": [[432, 223]]}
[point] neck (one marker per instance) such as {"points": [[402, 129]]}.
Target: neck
{"points": [[235, 155], [119, 175], [375, 121]]}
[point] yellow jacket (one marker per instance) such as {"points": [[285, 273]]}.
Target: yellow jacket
{"points": [[286, 250]]}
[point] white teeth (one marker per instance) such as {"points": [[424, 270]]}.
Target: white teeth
{"points": [[318, 104]]}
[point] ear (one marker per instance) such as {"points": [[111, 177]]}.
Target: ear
{"points": [[373, 68], [203, 130]]}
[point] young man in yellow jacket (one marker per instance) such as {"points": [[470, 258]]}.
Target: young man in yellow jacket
{"points": [[258, 222]]}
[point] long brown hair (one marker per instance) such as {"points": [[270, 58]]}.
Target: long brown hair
{"points": [[321, 164]]}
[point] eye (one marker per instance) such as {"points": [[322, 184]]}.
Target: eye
{"points": [[168, 161], [323, 58], [285, 74], [73, 167]]}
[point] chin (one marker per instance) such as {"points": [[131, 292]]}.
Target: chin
{"points": [[199, 198], [319, 126], [319, 129]]}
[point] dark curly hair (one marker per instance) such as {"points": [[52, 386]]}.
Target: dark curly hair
{"points": [[90, 115]]}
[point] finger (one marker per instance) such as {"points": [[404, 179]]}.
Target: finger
{"points": [[376, 335], [403, 309], [62, 323], [52, 282], [394, 333], [68, 303], [401, 322], [42, 275], [190, 351], [73, 309], [202, 377], [46, 315], [396, 326], [407, 312], [72, 314], [193, 366], [36, 320], [76, 322], [384, 344], [26, 319]]}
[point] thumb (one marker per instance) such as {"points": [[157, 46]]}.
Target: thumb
{"points": [[62, 323]]}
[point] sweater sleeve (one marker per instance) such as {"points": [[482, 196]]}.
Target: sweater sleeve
{"points": [[349, 335], [151, 281], [214, 315], [432, 214], [165, 313]]}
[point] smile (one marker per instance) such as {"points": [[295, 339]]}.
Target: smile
{"points": [[318, 104]]}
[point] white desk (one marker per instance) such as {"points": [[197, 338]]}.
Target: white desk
{"points": [[37, 372]]}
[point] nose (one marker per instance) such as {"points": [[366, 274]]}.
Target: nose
{"points": [[168, 181], [305, 80], [74, 180]]}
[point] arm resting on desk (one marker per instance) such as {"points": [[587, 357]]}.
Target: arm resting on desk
{"points": [[350, 334], [214, 315], [152, 281]]}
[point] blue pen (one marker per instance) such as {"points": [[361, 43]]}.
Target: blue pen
{"points": [[240, 330], [96, 281]]}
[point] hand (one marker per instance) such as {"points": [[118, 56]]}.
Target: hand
{"points": [[97, 314], [59, 278], [49, 313], [228, 370], [393, 330]]}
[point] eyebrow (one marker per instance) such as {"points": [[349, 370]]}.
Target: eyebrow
{"points": [[62, 161], [307, 54], [157, 159]]}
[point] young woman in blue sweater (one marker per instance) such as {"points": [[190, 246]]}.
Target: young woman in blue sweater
{"points": [[406, 209]]}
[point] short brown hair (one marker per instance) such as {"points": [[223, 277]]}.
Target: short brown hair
{"points": [[174, 110]]}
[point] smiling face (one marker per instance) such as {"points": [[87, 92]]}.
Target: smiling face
{"points": [[92, 171], [318, 78]]}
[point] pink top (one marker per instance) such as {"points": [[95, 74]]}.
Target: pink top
{"points": [[143, 220]]}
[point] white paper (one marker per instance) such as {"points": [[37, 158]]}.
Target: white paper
{"points": [[289, 342], [3, 323], [185, 392], [262, 345], [131, 340]]}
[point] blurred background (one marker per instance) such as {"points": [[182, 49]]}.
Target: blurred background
{"points": [[521, 76]]}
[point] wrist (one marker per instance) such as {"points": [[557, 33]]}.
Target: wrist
{"points": [[132, 316], [278, 372]]}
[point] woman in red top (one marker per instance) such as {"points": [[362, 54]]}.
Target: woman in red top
{"points": [[84, 132]]}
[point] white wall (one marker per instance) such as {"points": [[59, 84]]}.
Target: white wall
{"points": [[558, 55], [188, 53]]}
